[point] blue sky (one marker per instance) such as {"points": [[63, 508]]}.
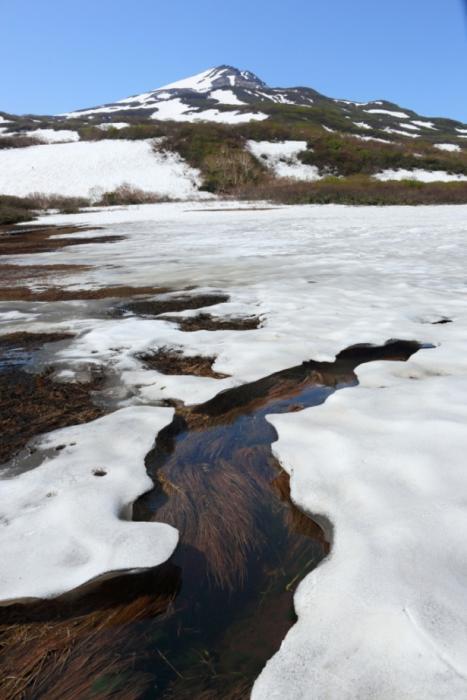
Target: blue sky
{"points": [[57, 55]]}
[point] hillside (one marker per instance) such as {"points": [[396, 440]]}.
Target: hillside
{"points": [[226, 132]]}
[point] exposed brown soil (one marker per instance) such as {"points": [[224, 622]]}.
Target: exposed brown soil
{"points": [[155, 307], [23, 240], [170, 361], [207, 322]]}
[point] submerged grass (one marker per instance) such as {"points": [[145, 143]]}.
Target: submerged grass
{"points": [[203, 624]]}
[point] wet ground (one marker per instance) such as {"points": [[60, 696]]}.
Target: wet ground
{"points": [[204, 624]]}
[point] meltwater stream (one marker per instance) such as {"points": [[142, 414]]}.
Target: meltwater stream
{"points": [[202, 625]]}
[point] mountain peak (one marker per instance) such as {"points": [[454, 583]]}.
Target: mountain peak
{"points": [[214, 78]]}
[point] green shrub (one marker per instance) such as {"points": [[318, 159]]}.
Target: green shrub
{"points": [[357, 189]]}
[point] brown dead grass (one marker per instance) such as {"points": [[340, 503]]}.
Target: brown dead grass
{"points": [[155, 307], [59, 294], [207, 322], [59, 650], [31, 404], [171, 361], [24, 240]]}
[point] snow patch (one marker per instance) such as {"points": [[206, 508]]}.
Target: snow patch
{"points": [[53, 135], [226, 97], [420, 175], [281, 158], [388, 130], [398, 115], [62, 523], [426, 125], [450, 147], [87, 168], [177, 110], [112, 125]]}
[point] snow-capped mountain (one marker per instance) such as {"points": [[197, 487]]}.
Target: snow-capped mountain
{"points": [[231, 96]]}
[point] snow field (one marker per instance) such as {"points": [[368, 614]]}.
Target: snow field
{"points": [[384, 616], [88, 169]]}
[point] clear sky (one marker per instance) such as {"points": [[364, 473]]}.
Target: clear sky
{"points": [[57, 55]]}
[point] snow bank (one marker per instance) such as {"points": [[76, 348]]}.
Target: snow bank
{"points": [[281, 158], [65, 522], [420, 175], [385, 461], [87, 168]]}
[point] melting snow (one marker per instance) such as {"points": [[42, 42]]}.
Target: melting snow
{"points": [[427, 125], [385, 616], [388, 130], [281, 158], [451, 147], [53, 135], [177, 110], [226, 97], [68, 526], [420, 175], [112, 125], [398, 115], [87, 168]]}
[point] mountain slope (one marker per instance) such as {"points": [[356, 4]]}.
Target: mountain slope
{"points": [[233, 135], [211, 95], [228, 95]]}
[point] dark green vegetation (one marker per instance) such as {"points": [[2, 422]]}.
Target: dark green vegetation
{"points": [[14, 210], [357, 189], [344, 140]]}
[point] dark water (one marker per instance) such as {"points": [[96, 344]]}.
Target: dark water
{"points": [[203, 625]]}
